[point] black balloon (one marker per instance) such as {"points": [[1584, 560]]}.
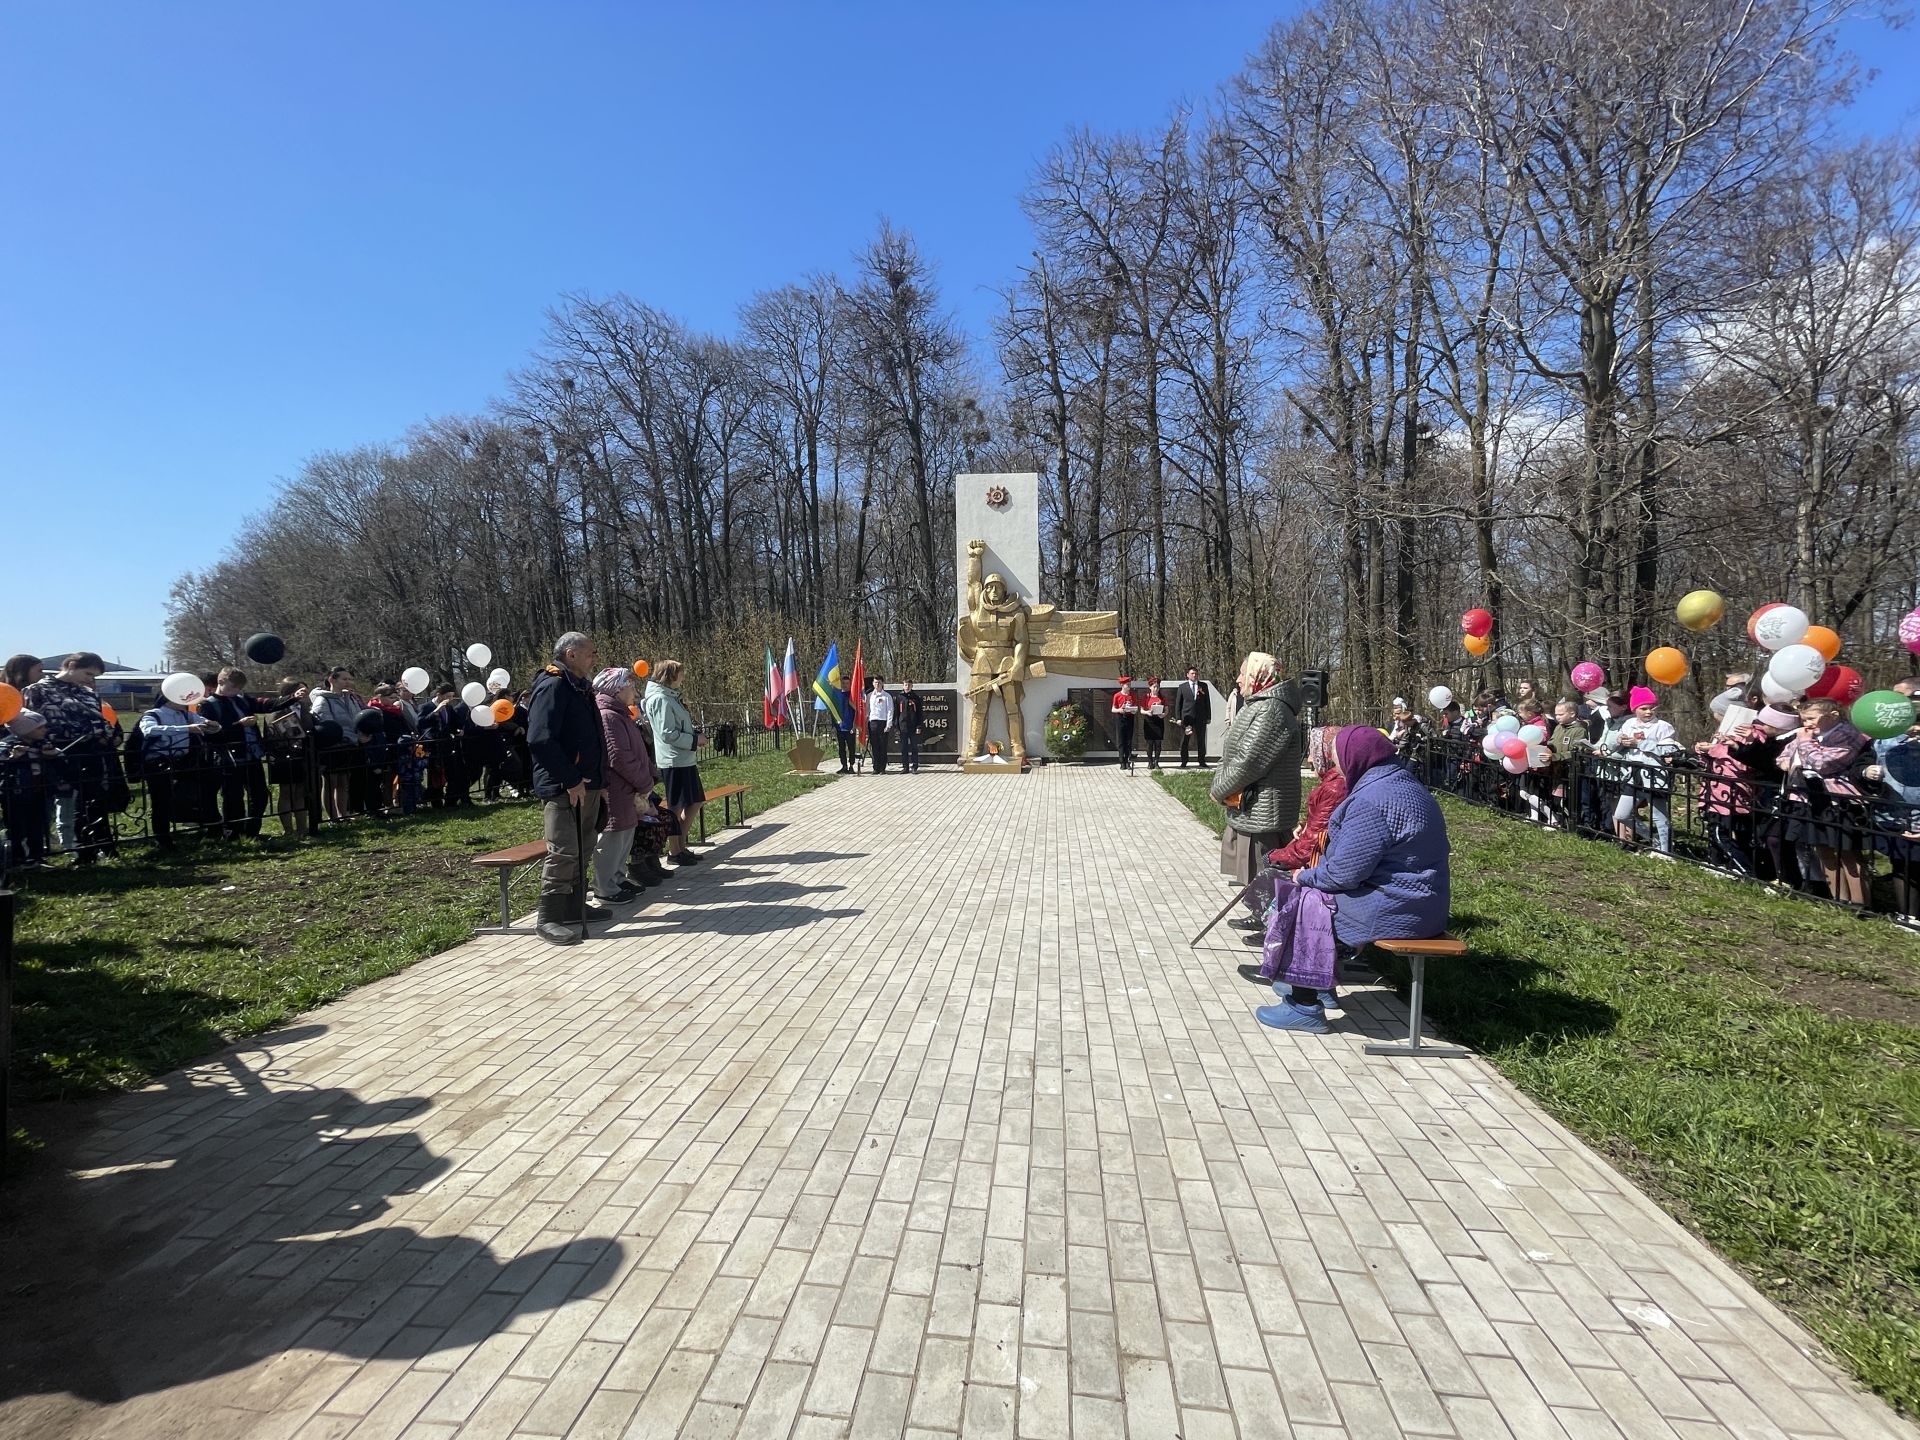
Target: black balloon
{"points": [[264, 649]]}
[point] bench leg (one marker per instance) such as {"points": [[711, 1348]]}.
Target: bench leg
{"points": [[1416, 1002], [506, 898]]}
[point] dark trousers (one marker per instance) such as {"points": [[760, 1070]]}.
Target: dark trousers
{"points": [[162, 809], [1123, 739], [28, 809], [849, 751], [243, 798], [1197, 742], [877, 743], [910, 750]]}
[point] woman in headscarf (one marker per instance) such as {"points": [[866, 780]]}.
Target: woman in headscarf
{"points": [[1385, 865], [1258, 777], [630, 775], [1307, 846]]}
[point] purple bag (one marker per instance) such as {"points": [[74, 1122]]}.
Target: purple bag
{"points": [[1300, 948]]}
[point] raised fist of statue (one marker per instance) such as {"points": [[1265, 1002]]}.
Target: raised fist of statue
{"points": [[976, 548]]}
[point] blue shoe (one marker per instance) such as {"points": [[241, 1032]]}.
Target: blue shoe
{"points": [[1289, 1016], [1330, 999]]}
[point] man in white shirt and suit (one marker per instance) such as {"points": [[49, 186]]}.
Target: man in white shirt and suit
{"points": [[879, 722], [1193, 712]]}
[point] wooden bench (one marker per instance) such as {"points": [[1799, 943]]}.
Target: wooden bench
{"points": [[725, 794], [1415, 953], [507, 862]]}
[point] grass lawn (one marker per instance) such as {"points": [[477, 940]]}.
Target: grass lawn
{"points": [[146, 962], [1752, 1061]]}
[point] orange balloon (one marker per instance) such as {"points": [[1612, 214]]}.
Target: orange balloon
{"points": [[1826, 641], [1667, 665], [640, 669], [502, 710], [1476, 644], [634, 711], [10, 703], [111, 718]]}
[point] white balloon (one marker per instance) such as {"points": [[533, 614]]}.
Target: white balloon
{"points": [[1539, 756], [1439, 697], [1775, 692], [474, 693], [482, 716], [183, 688], [479, 656], [1507, 724], [1513, 766], [500, 678], [1781, 626], [1797, 667], [1533, 734], [1490, 747], [415, 679]]}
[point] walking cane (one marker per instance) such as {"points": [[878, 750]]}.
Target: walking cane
{"points": [[1226, 909]]}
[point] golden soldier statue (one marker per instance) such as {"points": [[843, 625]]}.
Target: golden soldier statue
{"points": [[1008, 642]]}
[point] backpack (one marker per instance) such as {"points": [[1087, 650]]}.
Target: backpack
{"points": [[130, 761]]}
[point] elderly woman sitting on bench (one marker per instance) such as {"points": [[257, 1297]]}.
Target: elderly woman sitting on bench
{"points": [[1385, 866]]}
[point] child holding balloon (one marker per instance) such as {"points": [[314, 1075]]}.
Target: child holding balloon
{"points": [[1644, 745]]}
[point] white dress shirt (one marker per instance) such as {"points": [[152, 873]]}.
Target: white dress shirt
{"points": [[880, 707]]}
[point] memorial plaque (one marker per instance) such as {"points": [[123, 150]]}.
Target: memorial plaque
{"points": [[939, 722]]}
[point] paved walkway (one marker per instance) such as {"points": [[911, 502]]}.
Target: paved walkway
{"points": [[912, 1114]]}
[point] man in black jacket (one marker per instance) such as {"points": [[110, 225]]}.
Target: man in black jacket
{"points": [[1192, 713], [569, 772], [908, 717]]}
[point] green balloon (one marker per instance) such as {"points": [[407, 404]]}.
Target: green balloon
{"points": [[1883, 714]]}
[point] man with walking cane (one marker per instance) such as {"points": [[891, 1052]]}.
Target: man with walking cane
{"points": [[569, 773]]}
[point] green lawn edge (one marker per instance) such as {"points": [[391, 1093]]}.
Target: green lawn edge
{"points": [[1720, 1045], [148, 962]]}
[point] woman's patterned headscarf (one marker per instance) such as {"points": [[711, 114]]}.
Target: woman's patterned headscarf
{"points": [[1320, 748]]}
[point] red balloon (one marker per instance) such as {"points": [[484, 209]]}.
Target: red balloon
{"points": [[1477, 623], [1841, 684], [1513, 747]]}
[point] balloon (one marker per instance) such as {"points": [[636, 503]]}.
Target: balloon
{"points": [[501, 710], [1533, 734], [1882, 714], [1826, 641], [1514, 748], [264, 648], [1753, 620], [473, 694], [641, 669], [1842, 684], [1476, 644], [1439, 697], [479, 656], [1700, 610], [1506, 725], [634, 711], [500, 677], [1514, 766], [1587, 677], [1781, 626], [416, 679], [1539, 756], [1490, 747], [1667, 665], [108, 713], [1797, 667], [1776, 693], [482, 717], [183, 688], [1910, 630], [11, 702], [1477, 623]]}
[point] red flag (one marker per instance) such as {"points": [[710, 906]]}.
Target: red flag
{"points": [[857, 688]]}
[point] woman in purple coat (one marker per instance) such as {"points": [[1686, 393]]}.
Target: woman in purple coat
{"points": [[630, 775], [1385, 866]]}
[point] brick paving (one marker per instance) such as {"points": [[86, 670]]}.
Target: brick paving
{"points": [[910, 1115]]}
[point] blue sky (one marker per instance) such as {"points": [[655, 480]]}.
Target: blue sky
{"points": [[241, 233]]}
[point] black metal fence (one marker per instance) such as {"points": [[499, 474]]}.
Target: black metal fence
{"points": [[94, 799], [1816, 839]]}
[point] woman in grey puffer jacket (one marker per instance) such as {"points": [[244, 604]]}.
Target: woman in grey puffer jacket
{"points": [[1260, 764]]}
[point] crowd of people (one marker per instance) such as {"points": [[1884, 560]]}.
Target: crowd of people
{"points": [[308, 753], [1368, 863], [1792, 795]]}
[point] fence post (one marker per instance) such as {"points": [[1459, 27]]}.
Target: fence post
{"points": [[6, 1025]]}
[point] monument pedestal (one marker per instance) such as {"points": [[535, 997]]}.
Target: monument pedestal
{"points": [[987, 767]]}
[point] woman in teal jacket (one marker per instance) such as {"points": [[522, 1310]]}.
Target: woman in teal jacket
{"points": [[674, 743]]}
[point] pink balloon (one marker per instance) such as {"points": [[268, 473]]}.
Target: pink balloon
{"points": [[1513, 766], [1588, 676], [1910, 630], [1514, 748]]}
